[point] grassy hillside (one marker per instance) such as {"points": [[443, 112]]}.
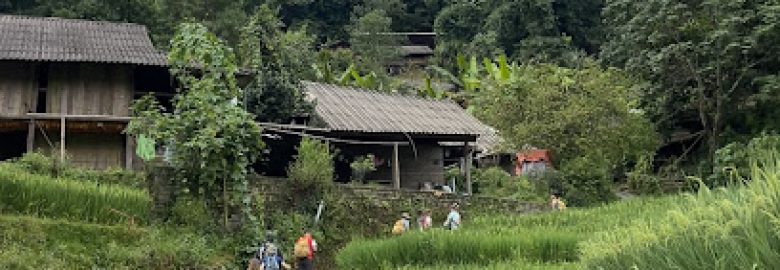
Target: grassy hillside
{"points": [[543, 241], [67, 222], [733, 228], [34, 243], [28, 193]]}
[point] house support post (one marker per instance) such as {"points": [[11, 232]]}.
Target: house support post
{"points": [[30, 135], [63, 111], [62, 139], [467, 166], [396, 168], [129, 146]]}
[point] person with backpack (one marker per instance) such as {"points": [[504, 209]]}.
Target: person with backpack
{"points": [[556, 203], [402, 225], [268, 256], [304, 250], [453, 218]]}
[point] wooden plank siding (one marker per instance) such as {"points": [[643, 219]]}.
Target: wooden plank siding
{"points": [[90, 151], [91, 89], [18, 88]]}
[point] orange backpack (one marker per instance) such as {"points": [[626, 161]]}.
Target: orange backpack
{"points": [[302, 248]]}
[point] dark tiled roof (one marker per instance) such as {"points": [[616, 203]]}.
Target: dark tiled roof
{"points": [[67, 40], [349, 109]]}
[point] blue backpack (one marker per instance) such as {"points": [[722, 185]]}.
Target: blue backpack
{"points": [[269, 255]]}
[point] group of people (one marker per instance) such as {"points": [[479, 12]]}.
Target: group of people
{"points": [[425, 222], [269, 257]]}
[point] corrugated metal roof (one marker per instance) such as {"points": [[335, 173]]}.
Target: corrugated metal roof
{"points": [[68, 40], [350, 109], [416, 50]]}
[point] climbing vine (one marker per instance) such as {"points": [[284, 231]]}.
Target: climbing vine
{"points": [[211, 137]]}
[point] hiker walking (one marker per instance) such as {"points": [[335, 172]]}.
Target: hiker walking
{"points": [[304, 250], [268, 256], [424, 221], [402, 225], [453, 218]]}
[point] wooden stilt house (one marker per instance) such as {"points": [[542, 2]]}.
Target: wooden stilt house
{"points": [[66, 86]]}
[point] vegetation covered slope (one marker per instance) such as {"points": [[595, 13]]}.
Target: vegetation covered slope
{"points": [[48, 222], [734, 228]]}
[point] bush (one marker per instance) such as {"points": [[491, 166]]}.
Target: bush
{"points": [[191, 213], [496, 182], [641, 180], [731, 162], [313, 166], [587, 181], [40, 195]]}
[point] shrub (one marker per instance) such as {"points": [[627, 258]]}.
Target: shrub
{"points": [[494, 181], [641, 180], [312, 172], [586, 181], [192, 213], [361, 166]]}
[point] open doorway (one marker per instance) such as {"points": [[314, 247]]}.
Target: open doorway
{"points": [[14, 144]]}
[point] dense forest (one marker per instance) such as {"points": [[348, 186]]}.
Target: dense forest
{"points": [[703, 74]]}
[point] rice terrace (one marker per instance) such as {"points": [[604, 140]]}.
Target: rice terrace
{"points": [[390, 134]]}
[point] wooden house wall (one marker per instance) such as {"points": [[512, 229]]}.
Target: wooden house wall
{"points": [[91, 151], [18, 88], [426, 166], [91, 89]]}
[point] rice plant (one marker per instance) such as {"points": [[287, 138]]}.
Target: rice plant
{"points": [[734, 228], [22, 192]]}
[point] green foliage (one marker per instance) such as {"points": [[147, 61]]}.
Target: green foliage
{"points": [[584, 116], [23, 192], [496, 182], [277, 61], [584, 113], [440, 246], [41, 164], [312, 172], [32, 243], [369, 41], [641, 179], [492, 241], [708, 64], [739, 223], [732, 162], [538, 30], [191, 213], [212, 137], [361, 166], [586, 181]]}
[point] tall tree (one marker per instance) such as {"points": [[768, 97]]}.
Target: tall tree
{"points": [[369, 40], [277, 60], [213, 138], [712, 65]]}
